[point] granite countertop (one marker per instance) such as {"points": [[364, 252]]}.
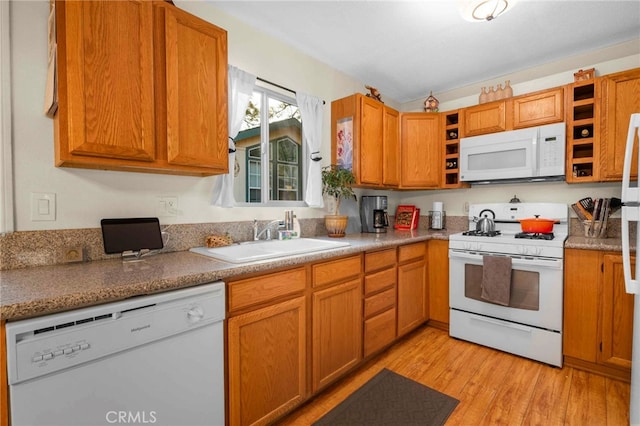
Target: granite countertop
{"points": [[605, 244], [42, 290]]}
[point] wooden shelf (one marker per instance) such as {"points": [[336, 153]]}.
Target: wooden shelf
{"points": [[582, 150], [452, 129]]}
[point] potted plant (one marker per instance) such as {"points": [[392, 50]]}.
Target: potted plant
{"points": [[336, 183]]}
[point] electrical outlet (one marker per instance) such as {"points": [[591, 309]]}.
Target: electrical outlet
{"points": [[465, 207], [167, 206], [71, 254]]}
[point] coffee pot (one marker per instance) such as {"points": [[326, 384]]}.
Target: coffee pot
{"points": [[380, 219], [373, 213]]}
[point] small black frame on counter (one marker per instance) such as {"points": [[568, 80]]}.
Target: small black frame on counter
{"points": [[131, 234]]}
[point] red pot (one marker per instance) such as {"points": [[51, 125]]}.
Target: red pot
{"points": [[537, 225]]}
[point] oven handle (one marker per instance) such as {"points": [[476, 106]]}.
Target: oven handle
{"points": [[547, 262], [503, 324]]}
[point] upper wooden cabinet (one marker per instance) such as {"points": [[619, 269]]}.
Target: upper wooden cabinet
{"points": [[391, 148], [365, 137], [620, 99], [536, 109], [420, 164], [486, 118], [142, 86]]}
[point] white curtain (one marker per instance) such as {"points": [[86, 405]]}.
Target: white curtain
{"points": [[311, 113], [240, 89]]}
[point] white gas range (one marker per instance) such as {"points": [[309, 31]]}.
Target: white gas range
{"points": [[528, 319]]}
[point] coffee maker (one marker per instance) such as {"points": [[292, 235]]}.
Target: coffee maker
{"points": [[373, 213]]}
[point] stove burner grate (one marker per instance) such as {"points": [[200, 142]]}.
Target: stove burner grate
{"points": [[474, 233], [535, 236]]}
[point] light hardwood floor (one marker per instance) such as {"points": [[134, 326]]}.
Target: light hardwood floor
{"points": [[493, 387]]}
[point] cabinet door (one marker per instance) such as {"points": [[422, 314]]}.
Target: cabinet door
{"points": [[337, 331], [617, 315], [485, 118], [105, 82], [391, 148], [438, 257], [420, 165], [379, 331], [620, 99], [581, 304], [267, 362], [538, 108], [370, 143], [413, 303], [195, 91]]}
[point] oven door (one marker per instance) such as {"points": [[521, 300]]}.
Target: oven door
{"points": [[536, 289]]}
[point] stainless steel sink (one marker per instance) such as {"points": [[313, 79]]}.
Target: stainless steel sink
{"points": [[260, 250]]}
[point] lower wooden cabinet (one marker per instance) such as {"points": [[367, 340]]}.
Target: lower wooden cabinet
{"points": [[337, 331], [413, 298], [617, 316], [292, 332], [598, 313], [379, 300], [438, 274], [267, 362]]}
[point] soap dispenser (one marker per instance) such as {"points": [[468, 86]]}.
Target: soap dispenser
{"points": [[296, 227]]}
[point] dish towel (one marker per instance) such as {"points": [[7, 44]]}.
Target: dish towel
{"points": [[496, 279]]}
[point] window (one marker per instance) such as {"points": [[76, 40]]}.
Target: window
{"points": [[269, 151]]}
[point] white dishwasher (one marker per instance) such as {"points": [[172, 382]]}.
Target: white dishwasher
{"points": [[156, 359]]}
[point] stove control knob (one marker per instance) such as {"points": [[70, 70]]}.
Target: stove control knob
{"points": [[537, 251], [523, 250]]}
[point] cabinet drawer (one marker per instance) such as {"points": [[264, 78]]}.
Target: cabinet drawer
{"points": [[379, 259], [253, 291], [379, 331], [379, 280], [337, 270], [411, 251], [379, 302]]}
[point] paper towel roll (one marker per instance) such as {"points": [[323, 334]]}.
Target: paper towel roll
{"points": [[437, 206]]}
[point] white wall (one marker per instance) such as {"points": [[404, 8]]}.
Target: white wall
{"points": [[83, 197], [86, 196]]}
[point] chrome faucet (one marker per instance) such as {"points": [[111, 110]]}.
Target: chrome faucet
{"points": [[267, 228]]}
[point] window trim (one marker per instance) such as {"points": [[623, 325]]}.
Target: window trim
{"points": [[264, 144]]}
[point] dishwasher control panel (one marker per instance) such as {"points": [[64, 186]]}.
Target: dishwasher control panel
{"points": [[43, 345], [64, 350]]}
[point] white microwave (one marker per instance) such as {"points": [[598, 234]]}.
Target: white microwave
{"points": [[533, 154]]}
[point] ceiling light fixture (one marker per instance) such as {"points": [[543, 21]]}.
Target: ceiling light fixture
{"points": [[484, 10]]}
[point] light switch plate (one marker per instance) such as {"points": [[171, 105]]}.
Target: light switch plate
{"points": [[43, 206]]}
